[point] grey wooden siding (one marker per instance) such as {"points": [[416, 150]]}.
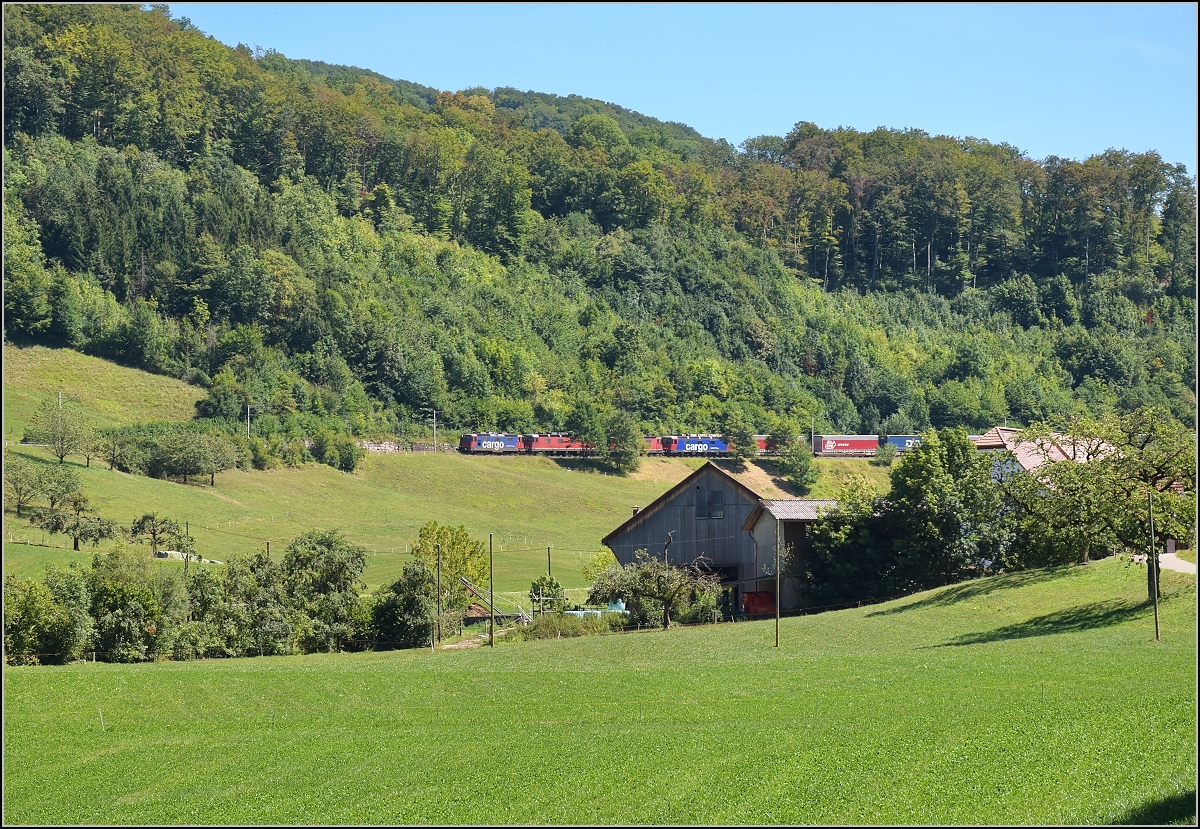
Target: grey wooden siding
{"points": [[721, 540]]}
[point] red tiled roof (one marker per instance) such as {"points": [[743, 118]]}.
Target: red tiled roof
{"points": [[1032, 454]]}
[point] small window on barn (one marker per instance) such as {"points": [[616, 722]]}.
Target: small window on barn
{"points": [[716, 504], [701, 503]]}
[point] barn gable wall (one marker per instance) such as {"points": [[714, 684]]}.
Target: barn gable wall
{"points": [[721, 540]]}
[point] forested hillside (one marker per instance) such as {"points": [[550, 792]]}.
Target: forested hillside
{"points": [[340, 250]]}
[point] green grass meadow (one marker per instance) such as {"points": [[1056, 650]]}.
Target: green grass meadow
{"points": [[1038, 697], [1035, 697], [526, 503], [109, 395]]}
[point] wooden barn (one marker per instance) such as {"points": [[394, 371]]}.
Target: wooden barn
{"points": [[702, 515], [712, 514]]}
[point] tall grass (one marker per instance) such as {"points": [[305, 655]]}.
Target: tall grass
{"points": [[108, 394]]}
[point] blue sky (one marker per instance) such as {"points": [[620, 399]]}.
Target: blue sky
{"points": [[1051, 79]]}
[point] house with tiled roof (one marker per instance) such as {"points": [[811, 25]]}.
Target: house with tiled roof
{"points": [[1030, 454]]}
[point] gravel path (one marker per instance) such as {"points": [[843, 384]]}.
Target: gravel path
{"points": [[1170, 561]]}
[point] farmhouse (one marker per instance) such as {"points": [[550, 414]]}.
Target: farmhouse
{"points": [[1030, 455], [713, 515]]}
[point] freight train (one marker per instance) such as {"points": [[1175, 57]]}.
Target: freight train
{"points": [[561, 444]]}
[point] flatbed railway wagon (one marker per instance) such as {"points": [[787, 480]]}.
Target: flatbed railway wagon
{"points": [[847, 445]]}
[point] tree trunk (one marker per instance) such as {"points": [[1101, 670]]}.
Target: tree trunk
{"points": [[75, 539], [666, 616], [1083, 555], [875, 258]]}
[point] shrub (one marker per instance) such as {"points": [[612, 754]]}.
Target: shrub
{"points": [[403, 614], [884, 455], [547, 594], [558, 625]]}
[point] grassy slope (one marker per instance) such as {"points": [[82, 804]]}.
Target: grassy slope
{"points": [[526, 503], [1030, 698], [110, 394]]}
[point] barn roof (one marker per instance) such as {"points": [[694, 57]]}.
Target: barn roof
{"points": [[789, 509], [655, 505]]}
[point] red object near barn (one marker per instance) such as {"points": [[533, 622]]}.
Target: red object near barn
{"points": [[758, 602]]}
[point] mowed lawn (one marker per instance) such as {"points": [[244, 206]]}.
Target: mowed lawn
{"points": [[1031, 698]]}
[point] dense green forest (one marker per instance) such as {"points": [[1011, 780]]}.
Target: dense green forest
{"points": [[337, 249]]}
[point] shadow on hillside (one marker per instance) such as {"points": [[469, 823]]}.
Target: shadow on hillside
{"points": [[974, 589], [587, 465], [1082, 617], [1179, 808], [774, 469]]}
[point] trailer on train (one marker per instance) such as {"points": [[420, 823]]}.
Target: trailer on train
{"points": [[903, 442], [846, 444]]}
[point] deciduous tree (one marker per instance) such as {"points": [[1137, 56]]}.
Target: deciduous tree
{"points": [[22, 480], [650, 586], [57, 426]]}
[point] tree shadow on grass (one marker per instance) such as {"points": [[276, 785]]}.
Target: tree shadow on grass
{"points": [[976, 588], [1178, 808], [1081, 617], [773, 467], [594, 465]]}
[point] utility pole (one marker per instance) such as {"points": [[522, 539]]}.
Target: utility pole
{"points": [[439, 591], [491, 596], [777, 582], [434, 411], [1153, 562]]}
